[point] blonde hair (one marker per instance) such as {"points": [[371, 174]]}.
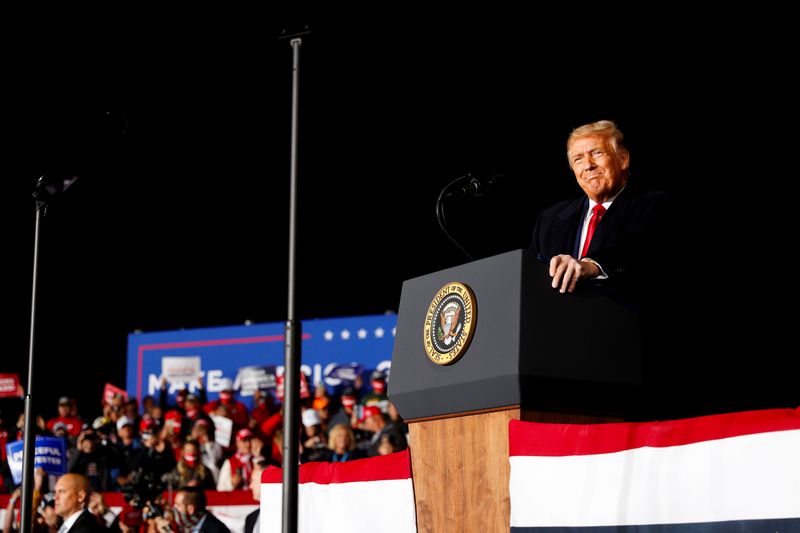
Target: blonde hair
{"points": [[199, 472], [605, 128], [350, 439]]}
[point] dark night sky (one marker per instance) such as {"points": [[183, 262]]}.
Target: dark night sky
{"points": [[182, 220]]}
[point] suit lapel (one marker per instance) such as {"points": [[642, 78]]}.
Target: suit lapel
{"points": [[567, 226], [614, 216]]}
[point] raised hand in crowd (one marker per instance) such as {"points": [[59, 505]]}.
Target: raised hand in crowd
{"points": [[256, 446], [47, 520], [97, 506], [39, 422], [39, 477], [8, 523]]}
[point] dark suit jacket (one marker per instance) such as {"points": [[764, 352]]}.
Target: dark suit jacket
{"points": [[212, 524], [629, 238], [250, 521], [86, 523]]}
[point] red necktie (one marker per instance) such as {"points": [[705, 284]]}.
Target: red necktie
{"points": [[597, 214]]}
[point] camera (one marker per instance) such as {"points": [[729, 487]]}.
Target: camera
{"points": [[145, 487], [152, 511]]}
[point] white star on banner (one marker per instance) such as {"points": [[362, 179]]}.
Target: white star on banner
{"points": [[362, 333], [345, 334], [379, 333], [394, 331], [328, 335]]}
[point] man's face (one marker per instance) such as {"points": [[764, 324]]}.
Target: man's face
{"points": [[69, 499], [226, 397], [180, 505], [599, 170], [371, 423], [88, 444], [150, 438], [199, 432]]}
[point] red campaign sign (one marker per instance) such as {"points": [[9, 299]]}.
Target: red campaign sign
{"points": [[304, 392], [110, 391], [9, 386]]}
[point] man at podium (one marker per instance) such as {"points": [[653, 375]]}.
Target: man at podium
{"points": [[610, 233]]}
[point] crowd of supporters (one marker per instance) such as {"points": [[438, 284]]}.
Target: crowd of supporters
{"points": [[145, 449]]}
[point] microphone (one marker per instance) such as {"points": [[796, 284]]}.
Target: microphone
{"points": [[469, 185], [49, 186], [466, 185]]}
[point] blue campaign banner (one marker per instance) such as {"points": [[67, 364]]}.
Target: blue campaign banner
{"points": [[50, 453], [252, 355], [14, 458]]}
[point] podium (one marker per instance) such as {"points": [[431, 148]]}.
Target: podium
{"points": [[525, 351]]}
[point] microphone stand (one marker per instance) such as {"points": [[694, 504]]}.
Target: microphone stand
{"points": [[41, 194], [292, 327], [46, 189], [450, 190]]}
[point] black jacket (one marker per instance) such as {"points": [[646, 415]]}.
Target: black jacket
{"points": [[86, 523], [250, 521], [212, 524], [629, 240]]}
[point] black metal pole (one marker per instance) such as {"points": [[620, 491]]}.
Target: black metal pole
{"points": [[29, 434], [292, 352]]}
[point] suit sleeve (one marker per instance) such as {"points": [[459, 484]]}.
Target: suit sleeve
{"points": [[536, 240]]}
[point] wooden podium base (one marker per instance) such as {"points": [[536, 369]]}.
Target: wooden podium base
{"points": [[460, 467]]}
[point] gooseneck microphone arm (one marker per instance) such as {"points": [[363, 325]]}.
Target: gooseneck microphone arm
{"points": [[466, 183]]}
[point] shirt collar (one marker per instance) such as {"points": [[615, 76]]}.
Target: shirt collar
{"points": [[196, 528], [607, 203], [70, 521]]}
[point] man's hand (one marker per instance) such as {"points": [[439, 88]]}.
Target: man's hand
{"points": [[162, 525], [96, 504], [566, 271]]}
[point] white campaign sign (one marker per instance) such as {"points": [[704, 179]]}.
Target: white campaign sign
{"points": [[180, 369]]}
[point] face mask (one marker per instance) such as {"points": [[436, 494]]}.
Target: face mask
{"points": [[243, 457], [190, 459], [226, 398], [190, 413], [185, 521], [348, 402]]}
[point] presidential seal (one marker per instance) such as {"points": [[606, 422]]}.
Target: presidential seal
{"points": [[449, 323]]}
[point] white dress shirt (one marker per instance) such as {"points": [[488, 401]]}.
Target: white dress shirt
{"points": [[585, 228]]}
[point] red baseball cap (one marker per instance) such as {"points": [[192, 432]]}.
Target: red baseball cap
{"points": [[244, 434], [370, 410], [147, 424]]}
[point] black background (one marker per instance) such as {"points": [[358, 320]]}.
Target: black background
{"points": [[182, 221]]}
